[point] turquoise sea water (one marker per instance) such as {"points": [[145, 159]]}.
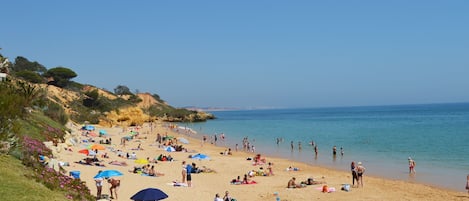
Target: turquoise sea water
{"points": [[436, 136]]}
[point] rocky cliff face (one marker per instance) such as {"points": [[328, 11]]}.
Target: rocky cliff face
{"points": [[130, 115]]}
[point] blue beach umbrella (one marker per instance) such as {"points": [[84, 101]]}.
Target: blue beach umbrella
{"points": [[102, 132], [108, 173], [149, 194]]}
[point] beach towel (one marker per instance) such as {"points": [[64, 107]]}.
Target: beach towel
{"points": [[177, 184], [251, 182]]}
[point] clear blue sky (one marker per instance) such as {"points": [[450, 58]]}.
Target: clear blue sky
{"points": [[252, 53]]}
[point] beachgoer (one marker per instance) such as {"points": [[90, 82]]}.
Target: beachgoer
{"points": [[292, 184], [354, 173], [115, 183], [299, 146], [467, 184], [245, 179], [411, 165], [291, 145], [334, 150], [360, 171], [341, 151], [316, 150], [99, 185], [188, 175], [184, 171], [227, 196], [270, 169], [217, 198]]}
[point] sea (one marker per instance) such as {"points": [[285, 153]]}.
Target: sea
{"points": [[436, 136]]}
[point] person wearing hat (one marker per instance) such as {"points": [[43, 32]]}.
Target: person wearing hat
{"points": [[411, 165], [360, 171]]}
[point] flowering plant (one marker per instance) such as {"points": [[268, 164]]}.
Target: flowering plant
{"points": [[75, 188]]}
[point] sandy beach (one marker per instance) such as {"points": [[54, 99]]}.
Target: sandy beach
{"points": [[228, 167]]}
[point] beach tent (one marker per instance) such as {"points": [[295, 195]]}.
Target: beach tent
{"points": [[200, 157], [169, 149]]}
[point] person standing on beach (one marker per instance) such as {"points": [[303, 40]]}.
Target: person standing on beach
{"points": [[467, 183], [184, 171], [334, 150], [411, 165], [354, 173], [99, 185], [316, 150], [188, 175], [299, 145], [360, 171], [291, 144]]}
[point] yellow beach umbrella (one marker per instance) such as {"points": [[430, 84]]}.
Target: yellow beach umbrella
{"points": [[142, 161]]}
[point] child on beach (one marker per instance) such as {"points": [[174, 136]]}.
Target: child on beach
{"points": [[411, 165]]}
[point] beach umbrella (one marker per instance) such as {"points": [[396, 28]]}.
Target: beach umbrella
{"points": [[108, 173], [200, 157], [142, 161], [97, 146], [84, 151], [87, 152], [170, 149], [149, 194], [88, 127], [183, 140]]}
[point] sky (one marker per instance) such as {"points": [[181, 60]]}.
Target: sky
{"points": [[261, 54]]}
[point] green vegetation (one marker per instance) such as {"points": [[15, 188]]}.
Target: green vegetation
{"points": [[29, 116], [16, 184], [61, 76]]}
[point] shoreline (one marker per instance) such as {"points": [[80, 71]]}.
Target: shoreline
{"points": [[205, 185], [425, 176]]}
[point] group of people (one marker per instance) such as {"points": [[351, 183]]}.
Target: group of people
{"points": [[357, 173], [310, 181], [227, 197], [115, 183]]}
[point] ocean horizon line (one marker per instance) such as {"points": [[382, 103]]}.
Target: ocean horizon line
{"points": [[211, 109]]}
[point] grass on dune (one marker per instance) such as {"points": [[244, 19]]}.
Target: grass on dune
{"points": [[14, 185]]}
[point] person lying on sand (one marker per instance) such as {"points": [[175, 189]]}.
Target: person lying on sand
{"points": [[119, 163], [292, 183], [311, 181]]}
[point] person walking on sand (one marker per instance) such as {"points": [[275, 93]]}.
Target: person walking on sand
{"points": [[411, 165], [360, 171]]}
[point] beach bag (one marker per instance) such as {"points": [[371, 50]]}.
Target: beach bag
{"points": [[346, 187]]}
